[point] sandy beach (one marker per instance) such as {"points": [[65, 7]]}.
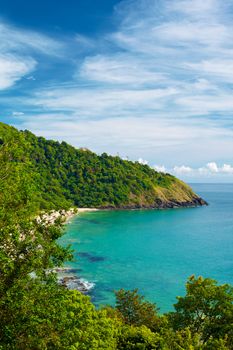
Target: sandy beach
{"points": [[82, 210], [52, 216]]}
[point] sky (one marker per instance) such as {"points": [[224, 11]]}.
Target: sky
{"points": [[149, 80]]}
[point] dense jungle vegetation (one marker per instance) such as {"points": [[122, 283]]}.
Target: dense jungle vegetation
{"points": [[65, 176], [37, 313]]}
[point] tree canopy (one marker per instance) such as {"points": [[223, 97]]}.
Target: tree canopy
{"points": [[37, 313], [66, 176]]}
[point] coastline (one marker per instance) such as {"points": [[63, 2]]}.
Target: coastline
{"points": [[50, 217], [82, 210], [66, 275], [70, 280], [66, 215]]}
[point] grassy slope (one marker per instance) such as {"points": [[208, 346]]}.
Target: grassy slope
{"points": [[67, 176]]}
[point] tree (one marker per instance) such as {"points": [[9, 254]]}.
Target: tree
{"points": [[207, 309], [135, 310], [137, 338], [50, 317], [26, 245], [35, 312]]}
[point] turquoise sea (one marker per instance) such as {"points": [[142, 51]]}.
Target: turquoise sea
{"points": [[154, 250]]}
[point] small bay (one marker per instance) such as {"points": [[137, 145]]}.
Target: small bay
{"points": [[154, 250]]}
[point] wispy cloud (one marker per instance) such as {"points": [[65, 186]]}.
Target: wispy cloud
{"points": [[25, 41], [18, 53], [172, 55], [159, 87], [221, 69], [13, 68], [163, 142], [17, 114], [104, 102], [121, 69]]}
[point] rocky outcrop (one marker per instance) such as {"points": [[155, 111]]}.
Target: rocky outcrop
{"points": [[160, 204], [76, 283]]}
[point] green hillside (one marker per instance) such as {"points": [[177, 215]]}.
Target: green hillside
{"points": [[66, 176], [36, 312]]}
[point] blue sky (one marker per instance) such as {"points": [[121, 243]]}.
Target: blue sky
{"points": [[146, 79]]}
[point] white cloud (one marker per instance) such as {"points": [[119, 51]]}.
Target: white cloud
{"points": [[20, 40], [227, 168], [192, 32], [100, 102], [219, 68], [174, 25], [212, 167], [31, 77], [209, 170], [13, 68], [84, 41], [142, 161], [182, 169], [166, 139], [203, 85], [166, 65], [167, 45], [19, 51], [160, 168], [206, 103], [17, 114], [197, 8], [120, 69], [159, 86]]}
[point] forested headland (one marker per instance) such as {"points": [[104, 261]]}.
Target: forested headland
{"points": [[65, 176]]}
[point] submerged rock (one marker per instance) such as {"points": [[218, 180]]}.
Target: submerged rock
{"points": [[91, 257]]}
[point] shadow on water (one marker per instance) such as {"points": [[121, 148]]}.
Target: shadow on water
{"points": [[69, 270], [91, 221], [74, 270], [98, 295], [90, 257]]}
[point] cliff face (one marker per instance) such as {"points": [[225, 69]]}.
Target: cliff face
{"points": [[65, 176]]}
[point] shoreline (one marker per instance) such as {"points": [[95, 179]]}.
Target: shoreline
{"points": [[82, 210], [66, 276], [66, 215]]}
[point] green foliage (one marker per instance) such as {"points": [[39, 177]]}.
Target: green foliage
{"points": [[36, 313], [180, 340], [26, 245], [135, 310], [203, 319], [138, 338], [218, 344], [207, 309], [65, 176], [39, 316]]}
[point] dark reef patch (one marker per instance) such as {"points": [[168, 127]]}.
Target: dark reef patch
{"points": [[91, 257]]}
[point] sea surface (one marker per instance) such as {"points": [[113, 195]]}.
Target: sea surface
{"points": [[154, 250]]}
